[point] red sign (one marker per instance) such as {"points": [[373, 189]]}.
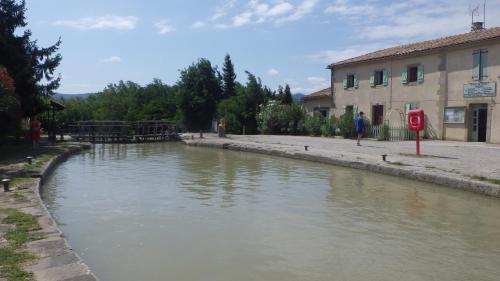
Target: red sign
{"points": [[416, 120]]}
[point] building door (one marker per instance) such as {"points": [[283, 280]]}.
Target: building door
{"points": [[377, 115], [478, 122]]}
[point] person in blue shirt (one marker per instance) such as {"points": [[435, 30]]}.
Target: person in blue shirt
{"points": [[360, 126]]}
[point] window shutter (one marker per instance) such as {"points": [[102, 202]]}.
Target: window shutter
{"points": [[356, 81], [344, 82], [404, 75], [355, 110], [372, 79], [343, 109], [476, 60], [420, 75], [484, 64], [385, 79]]}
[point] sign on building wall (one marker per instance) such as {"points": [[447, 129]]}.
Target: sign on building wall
{"points": [[481, 89], [454, 115]]}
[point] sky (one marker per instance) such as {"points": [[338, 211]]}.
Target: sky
{"points": [[280, 41]]}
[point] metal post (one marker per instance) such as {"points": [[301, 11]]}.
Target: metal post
{"points": [[418, 143], [201, 134], [6, 185], [30, 159]]}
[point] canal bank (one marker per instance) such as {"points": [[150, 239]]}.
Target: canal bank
{"points": [[466, 166], [48, 256]]}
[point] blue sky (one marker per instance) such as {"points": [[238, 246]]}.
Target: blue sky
{"points": [[281, 41]]}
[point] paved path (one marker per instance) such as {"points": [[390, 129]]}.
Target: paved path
{"points": [[443, 162]]}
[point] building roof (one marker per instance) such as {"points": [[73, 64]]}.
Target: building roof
{"points": [[319, 94], [425, 46]]}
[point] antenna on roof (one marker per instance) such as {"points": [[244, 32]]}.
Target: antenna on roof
{"points": [[474, 10], [484, 14]]}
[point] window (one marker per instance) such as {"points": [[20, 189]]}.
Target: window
{"points": [[350, 81], [479, 58], [412, 74], [379, 77]]}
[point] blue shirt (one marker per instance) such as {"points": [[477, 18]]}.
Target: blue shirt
{"points": [[360, 124]]}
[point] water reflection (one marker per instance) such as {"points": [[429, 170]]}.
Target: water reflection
{"points": [[173, 212]]}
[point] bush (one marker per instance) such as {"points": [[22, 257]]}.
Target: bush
{"points": [[329, 127], [281, 119], [347, 125], [314, 123]]}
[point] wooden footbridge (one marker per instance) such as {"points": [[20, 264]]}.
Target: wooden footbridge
{"points": [[122, 131]]}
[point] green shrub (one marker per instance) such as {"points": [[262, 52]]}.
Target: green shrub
{"points": [[277, 118], [347, 125], [314, 123]]}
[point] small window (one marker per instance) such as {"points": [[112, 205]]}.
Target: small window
{"points": [[350, 81], [413, 74], [379, 77]]}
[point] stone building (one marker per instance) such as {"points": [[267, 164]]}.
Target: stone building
{"points": [[453, 79]]}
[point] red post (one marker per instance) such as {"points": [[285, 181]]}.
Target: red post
{"points": [[418, 143]]}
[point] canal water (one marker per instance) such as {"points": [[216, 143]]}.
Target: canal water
{"points": [[167, 211]]}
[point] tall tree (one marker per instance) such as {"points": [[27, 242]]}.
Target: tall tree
{"points": [[27, 63], [199, 91], [287, 96], [228, 78]]}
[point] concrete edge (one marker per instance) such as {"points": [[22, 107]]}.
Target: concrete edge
{"points": [[47, 169], [456, 182]]}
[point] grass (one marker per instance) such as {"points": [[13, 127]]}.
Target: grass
{"points": [[481, 178], [20, 196], [11, 260], [13, 256]]}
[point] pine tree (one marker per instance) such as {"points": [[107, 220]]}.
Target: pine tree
{"points": [[228, 78], [27, 63], [287, 96]]}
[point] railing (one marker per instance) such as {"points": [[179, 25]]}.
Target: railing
{"points": [[386, 132]]}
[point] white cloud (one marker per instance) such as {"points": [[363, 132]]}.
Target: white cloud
{"points": [[335, 55], [104, 22], [306, 7], [199, 24], [112, 59], [261, 11], [314, 84], [164, 28], [409, 20], [241, 19], [273, 72]]}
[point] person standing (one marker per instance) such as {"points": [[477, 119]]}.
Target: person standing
{"points": [[360, 126], [35, 128]]}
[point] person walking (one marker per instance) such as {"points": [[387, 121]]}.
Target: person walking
{"points": [[360, 126]]}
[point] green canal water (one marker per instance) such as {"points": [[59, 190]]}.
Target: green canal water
{"points": [[167, 211]]}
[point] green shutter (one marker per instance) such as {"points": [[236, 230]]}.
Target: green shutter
{"points": [[476, 61], [484, 64], [404, 75], [385, 79], [343, 109], [420, 75], [356, 81], [355, 110], [372, 79], [344, 82]]}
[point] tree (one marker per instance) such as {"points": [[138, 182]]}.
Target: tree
{"points": [[287, 96], [27, 63], [228, 78], [199, 90]]}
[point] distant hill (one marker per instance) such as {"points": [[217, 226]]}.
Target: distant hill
{"points": [[71, 96], [297, 97]]}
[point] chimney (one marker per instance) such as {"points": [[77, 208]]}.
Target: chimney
{"points": [[478, 25]]}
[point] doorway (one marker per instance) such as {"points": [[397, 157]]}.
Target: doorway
{"points": [[478, 122], [377, 115]]}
